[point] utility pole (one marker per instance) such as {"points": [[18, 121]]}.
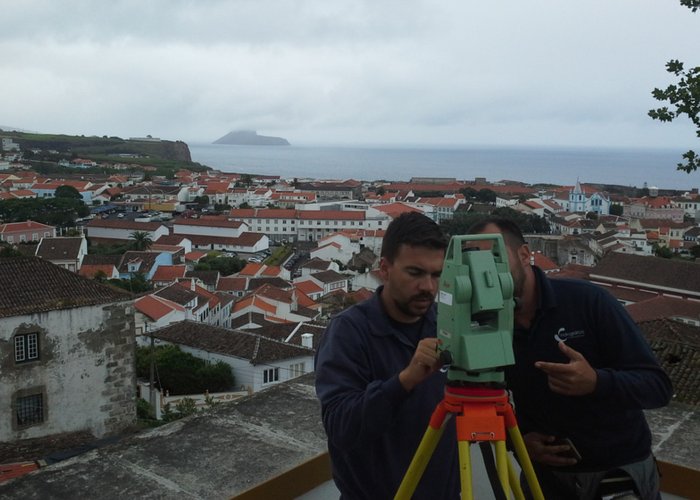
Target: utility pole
{"points": [[152, 377]]}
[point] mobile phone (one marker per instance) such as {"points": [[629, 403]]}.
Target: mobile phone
{"points": [[572, 452]]}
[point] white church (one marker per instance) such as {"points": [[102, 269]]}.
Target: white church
{"points": [[580, 201]]}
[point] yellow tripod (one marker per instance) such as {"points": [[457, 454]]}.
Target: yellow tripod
{"points": [[483, 414]]}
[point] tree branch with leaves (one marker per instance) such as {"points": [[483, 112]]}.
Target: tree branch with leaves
{"points": [[683, 97]]}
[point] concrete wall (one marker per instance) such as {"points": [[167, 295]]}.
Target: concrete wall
{"points": [[85, 371]]}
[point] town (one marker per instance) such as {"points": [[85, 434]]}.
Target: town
{"points": [[134, 276]]}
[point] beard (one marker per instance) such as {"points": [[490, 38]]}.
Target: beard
{"points": [[518, 281], [417, 305]]}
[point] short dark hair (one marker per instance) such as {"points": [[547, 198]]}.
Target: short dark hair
{"points": [[413, 229], [512, 234]]}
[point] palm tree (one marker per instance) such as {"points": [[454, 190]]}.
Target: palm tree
{"points": [[142, 240]]}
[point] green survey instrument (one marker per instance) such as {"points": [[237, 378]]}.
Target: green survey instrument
{"points": [[475, 309], [475, 325]]}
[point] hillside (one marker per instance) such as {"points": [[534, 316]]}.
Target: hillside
{"points": [[250, 138], [102, 146]]}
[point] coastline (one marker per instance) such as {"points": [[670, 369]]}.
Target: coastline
{"points": [[556, 165]]}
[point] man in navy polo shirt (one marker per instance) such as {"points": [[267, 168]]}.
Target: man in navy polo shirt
{"points": [[583, 373], [377, 373]]}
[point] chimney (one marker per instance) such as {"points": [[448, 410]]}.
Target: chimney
{"points": [[307, 340], [192, 287], [295, 301]]}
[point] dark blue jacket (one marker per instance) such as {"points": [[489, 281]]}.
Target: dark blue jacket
{"points": [[608, 426], [374, 425]]}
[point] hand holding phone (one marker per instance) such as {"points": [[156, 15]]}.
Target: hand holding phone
{"points": [[572, 452]]}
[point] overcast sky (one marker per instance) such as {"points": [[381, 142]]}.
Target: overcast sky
{"points": [[440, 72]]}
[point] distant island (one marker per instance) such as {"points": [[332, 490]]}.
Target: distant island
{"points": [[250, 138]]}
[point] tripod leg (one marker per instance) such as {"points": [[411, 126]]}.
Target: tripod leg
{"points": [[425, 450], [465, 470], [502, 466], [525, 463], [515, 482]]}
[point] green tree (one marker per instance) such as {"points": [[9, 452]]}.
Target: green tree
{"points": [[246, 180], [616, 209], [695, 251], [683, 97], [141, 240], [486, 195], [468, 192], [9, 251], [136, 284], [662, 251], [461, 222], [225, 265], [67, 192], [52, 211], [183, 373], [202, 201]]}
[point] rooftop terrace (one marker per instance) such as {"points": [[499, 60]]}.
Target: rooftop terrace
{"points": [[269, 445]]}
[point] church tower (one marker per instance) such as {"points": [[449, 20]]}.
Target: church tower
{"points": [[577, 199]]}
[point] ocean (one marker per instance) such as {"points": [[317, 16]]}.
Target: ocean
{"points": [[561, 166]]}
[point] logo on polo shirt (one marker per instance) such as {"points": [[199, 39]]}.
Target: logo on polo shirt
{"points": [[562, 335]]}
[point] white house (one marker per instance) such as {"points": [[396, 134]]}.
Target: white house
{"points": [[122, 229], [257, 362], [67, 345], [67, 252]]}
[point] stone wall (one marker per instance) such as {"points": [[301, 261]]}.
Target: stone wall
{"points": [[85, 371]]}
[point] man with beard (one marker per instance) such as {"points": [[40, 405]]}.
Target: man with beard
{"points": [[377, 373], [583, 374]]}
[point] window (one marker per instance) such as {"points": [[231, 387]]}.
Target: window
{"points": [[30, 410], [296, 370], [271, 375], [26, 347]]}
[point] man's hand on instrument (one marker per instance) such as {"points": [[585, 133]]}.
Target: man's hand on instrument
{"points": [[424, 363]]}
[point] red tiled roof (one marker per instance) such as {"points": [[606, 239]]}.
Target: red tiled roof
{"points": [[53, 185], [124, 224], [18, 193], [660, 307], [11, 471], [169, 273], [361, 295], [544, 262], [156, 307], [209, 221], [216, 187], [271, 271], [244, 240], [28, 225], [251, 269], [232, 284], [171, 239], [90, 270], [195, 255], [254, 301], [331, 215], [393, 210], [308, 287]]}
